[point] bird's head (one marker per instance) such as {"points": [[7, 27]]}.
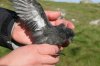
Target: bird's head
{"points": [[66, 33]]}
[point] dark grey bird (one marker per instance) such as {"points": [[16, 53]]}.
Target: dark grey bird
{"points": [[33, 15]]}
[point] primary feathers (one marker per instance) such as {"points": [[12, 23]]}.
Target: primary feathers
{"points": [[34, 17]]}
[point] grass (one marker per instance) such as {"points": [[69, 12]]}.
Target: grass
{"points": [[85, 49]]}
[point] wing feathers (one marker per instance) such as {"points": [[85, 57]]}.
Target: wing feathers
{"points": [[28, 11]]}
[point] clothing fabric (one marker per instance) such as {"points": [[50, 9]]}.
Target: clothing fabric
{"points": [[7, 19]]}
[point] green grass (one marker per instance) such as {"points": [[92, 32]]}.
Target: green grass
{"points": [[85, 49]]}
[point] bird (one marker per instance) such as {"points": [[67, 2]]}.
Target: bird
{"points": [[34, 17]]}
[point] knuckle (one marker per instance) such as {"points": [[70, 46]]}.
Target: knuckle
{"points": [[55, 60]]}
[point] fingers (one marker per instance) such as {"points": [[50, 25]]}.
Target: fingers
{"points": [[48, 60], [46, 54], [53, 18], [48, 65], [53, 15], [67, 23], [70, 25], [59, 21], [48, 49]]}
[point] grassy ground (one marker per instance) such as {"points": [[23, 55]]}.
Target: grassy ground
{"points": [[85, 49]]}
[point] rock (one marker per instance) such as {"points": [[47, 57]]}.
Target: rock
{"points": [[95, 22]]}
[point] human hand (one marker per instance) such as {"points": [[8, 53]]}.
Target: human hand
{"points": [[32, 55], [22, 35]]}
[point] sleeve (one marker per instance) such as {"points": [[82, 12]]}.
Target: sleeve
{"points": [[7, 19]]}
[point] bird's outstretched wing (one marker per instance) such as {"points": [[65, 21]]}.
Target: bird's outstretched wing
{"points": [[34, 17], [32, 13]]}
